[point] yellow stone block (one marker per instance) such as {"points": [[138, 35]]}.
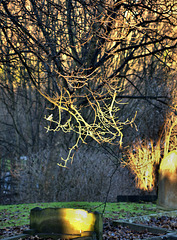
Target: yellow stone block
{"points": [[70, 221]]}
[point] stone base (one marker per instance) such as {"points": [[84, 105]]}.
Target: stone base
{"points": [[136, 198]]}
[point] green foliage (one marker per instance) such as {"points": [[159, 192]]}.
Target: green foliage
{"points": [[5, 164]]}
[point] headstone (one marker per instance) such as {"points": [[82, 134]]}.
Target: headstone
{"points": [[167, 188], [75, 222]]}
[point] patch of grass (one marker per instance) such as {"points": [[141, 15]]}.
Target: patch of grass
{"points": [[18, 215]]}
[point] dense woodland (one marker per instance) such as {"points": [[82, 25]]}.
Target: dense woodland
{"points": [[81, 81]]}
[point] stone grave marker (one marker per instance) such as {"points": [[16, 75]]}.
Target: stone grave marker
{"points": [[67, 222], [167, 187]]}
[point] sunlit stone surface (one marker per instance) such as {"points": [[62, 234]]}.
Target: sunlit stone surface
{"points": [[167, 189], [66, 221]]}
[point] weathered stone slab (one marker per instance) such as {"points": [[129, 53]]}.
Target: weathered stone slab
{"points": [[136, 198], [17, 237], [167, 188], [172, 237], [75, 222], [164, 233], [141, 227]]}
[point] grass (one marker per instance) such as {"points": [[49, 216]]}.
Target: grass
{"points": [[18, 215]]}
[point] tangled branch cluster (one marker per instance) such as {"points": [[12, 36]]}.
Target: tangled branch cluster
{"points": [[142, 159], [103, 127], [144, 156]]}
